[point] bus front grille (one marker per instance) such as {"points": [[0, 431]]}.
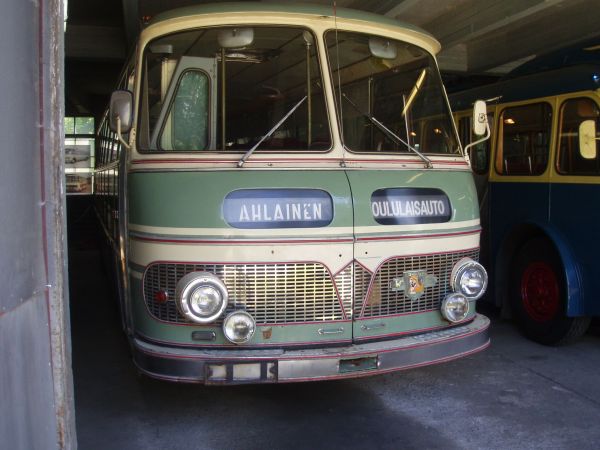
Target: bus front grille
{"points": [[306, 292], [271, 293], [381, 300]]}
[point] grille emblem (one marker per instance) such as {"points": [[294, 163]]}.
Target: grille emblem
{"points": [[413, 283]]}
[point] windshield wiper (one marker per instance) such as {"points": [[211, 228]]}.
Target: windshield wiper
{"points": [[389, 133], [268, 135]]}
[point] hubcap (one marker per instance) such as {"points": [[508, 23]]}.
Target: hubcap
{"points": [[540, 291]]}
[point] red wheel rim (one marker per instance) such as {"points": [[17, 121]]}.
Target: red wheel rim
{"points": [[540, 291]]}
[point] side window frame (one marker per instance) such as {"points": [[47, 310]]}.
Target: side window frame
{"points": [[168, 112], [559, 136], [500, 158]]}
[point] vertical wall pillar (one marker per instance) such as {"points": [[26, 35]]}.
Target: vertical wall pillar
{"points": [[35, 369]]}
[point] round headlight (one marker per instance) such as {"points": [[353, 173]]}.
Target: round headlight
{"points": [[201, 297], [239, 327], [455, 307], [469, 278]]}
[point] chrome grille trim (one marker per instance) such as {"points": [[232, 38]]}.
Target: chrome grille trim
{"points": [[343, 283], [384, 302], [271, 293]]}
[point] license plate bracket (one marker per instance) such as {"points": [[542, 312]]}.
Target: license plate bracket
{"points": [[241, 372]]}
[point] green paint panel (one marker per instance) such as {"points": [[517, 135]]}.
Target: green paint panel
{"points": [[264, 335], [195, 199], [282, 335], [403, 324], [458, 186]]}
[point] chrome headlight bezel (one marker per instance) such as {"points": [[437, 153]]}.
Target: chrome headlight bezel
{"points": [[460, 269], [446, 308], [188, 284], [227, 322]]}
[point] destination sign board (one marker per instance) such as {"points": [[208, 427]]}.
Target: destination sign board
{"points": [[404, 206], [278, 208]]}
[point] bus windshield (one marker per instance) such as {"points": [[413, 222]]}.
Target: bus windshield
{"points": [[389, 96], [224, 88]]}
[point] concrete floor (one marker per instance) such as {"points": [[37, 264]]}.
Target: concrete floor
{"points": [[515, 395]]}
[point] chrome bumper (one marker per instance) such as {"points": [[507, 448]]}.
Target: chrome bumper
{"points": [[239, 366]]}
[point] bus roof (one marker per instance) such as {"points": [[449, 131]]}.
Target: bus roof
{"points": [[291, 8], [570, 69], [582, 77]]}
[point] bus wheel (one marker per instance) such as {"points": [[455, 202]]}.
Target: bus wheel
{"points": [[539, 296]]}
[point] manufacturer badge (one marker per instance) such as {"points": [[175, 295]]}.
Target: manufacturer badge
{"points": [[413, 283]]}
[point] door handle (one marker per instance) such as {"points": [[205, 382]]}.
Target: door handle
{"points": [[323, 331]]}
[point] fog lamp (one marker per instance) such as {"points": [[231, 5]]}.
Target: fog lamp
{"points": [[201, 297], [455, 307], [469, 278], [239, 327]]}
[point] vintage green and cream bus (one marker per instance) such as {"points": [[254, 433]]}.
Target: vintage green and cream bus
{"points": [[286, 198]]}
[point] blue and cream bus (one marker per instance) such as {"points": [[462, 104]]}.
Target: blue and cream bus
{"points": [[286, 198], [538, 181]]}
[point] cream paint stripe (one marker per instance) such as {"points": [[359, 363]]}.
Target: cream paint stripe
{"points": [[373, 254], [303, 232], [135, 274], [148, 166], [425, 227], [334, 256], [229, 232]]}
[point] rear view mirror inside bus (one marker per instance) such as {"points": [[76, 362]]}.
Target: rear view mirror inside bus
{"points": [[235, 37], [382, 48], [121, 104], [479, 118], [587, 139]]}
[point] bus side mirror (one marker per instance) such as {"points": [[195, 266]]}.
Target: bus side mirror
{"points": [[120, 109], [479, 118], [587, 139]]}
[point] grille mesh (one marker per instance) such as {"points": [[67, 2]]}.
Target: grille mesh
{"points": [[271, 293], [382, 301], [305, 292]]}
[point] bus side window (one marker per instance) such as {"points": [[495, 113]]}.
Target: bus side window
{"points": [[569, 160], [524, 139]]}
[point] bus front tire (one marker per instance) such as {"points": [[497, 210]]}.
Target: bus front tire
{"points": [[538, 296]]}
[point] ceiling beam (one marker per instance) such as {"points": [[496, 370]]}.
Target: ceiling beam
{"points": [[477, 19], [541, 34], [422, 12]]}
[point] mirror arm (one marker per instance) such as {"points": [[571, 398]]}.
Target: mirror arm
{"points": [[479, 141], [120, 136]]}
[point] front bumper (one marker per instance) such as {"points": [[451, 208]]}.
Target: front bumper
{"points": [[237, 366]]}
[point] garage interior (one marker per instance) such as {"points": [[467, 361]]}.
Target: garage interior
{"points": [[115, 407], [481, 40]]}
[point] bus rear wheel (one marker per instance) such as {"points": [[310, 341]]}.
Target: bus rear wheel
{"points": [[539, 296]]}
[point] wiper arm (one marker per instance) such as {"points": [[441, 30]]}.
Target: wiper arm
{"points": [[389, 133], [268, 135]]}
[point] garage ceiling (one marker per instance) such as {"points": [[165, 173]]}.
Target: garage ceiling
{"points": [[481, 39]]}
